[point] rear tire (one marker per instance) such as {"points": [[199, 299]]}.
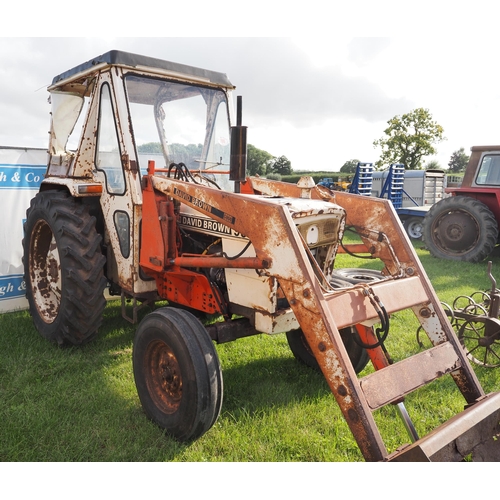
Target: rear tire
{"points": [[177, 373], [63, 268], [460, 228]]}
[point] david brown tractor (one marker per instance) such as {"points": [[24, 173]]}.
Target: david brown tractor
{"points": [[153, 203]]}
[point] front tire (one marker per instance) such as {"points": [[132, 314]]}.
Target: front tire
{"points": [[63, 268], [460, 228], [177, 373], [300, 349]]}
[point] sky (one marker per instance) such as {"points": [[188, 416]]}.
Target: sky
{"points": [[319, 101]]}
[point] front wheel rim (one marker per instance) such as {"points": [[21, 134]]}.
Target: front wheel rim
{"points": [[164, 378], [45, 272], [415, 230]]}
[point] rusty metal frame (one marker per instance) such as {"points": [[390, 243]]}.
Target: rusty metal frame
{"points": [[321, 314]]}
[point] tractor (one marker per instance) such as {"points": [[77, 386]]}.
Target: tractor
{"points": [[464, 226], [146, 198]]}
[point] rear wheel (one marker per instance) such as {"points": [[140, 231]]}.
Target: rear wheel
{"points": [[300, 348], [460, 228], [177, 373], [63, 268]]}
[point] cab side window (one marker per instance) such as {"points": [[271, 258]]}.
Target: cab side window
{"points": [[108, 157], [489, 172]]}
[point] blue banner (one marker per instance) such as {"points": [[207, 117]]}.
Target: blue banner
{"points": [[12, 286], [21, 176]]}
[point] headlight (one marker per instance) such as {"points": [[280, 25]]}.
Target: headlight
{"points": [[320, 232], [312, 235]]}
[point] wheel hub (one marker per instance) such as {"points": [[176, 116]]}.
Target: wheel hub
{"points": [[485, 341], [457, 231], [454, 232], [165, 380], [415, 229]]}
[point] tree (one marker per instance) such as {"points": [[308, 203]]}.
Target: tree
{"points": [[185, 153], [257, 160], [150, 147], [433, 164], [281, 166], [349, 167], [178, 153], [409, 138], [273, 177], [458, 161]]}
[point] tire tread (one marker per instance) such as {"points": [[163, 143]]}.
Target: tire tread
{"points": [[83, 282]]}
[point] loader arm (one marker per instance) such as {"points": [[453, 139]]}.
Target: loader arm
{"points": [[384, 237], [321, 312]]}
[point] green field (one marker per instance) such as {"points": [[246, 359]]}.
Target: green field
{"points": [[80, 404]]}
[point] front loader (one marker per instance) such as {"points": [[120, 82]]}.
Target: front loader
{"points": [[154, 205]]}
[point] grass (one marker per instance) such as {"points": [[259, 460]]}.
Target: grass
{"points": [[80, 404]]}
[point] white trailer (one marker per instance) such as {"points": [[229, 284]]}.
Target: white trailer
{"points": [[420, 190]]}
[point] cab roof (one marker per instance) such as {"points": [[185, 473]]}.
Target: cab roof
{"points": [[120, 58]]}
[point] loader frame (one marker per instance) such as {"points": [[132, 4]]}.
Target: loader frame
{"points": [[321, 313]]}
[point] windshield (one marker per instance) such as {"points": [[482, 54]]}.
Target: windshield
{"points": [[181, 122]]}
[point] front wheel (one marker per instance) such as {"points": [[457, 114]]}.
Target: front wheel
{"points": [[460, 228], [177, 373]]}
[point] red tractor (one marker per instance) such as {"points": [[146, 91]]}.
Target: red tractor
{"points": [[464, 226]]}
